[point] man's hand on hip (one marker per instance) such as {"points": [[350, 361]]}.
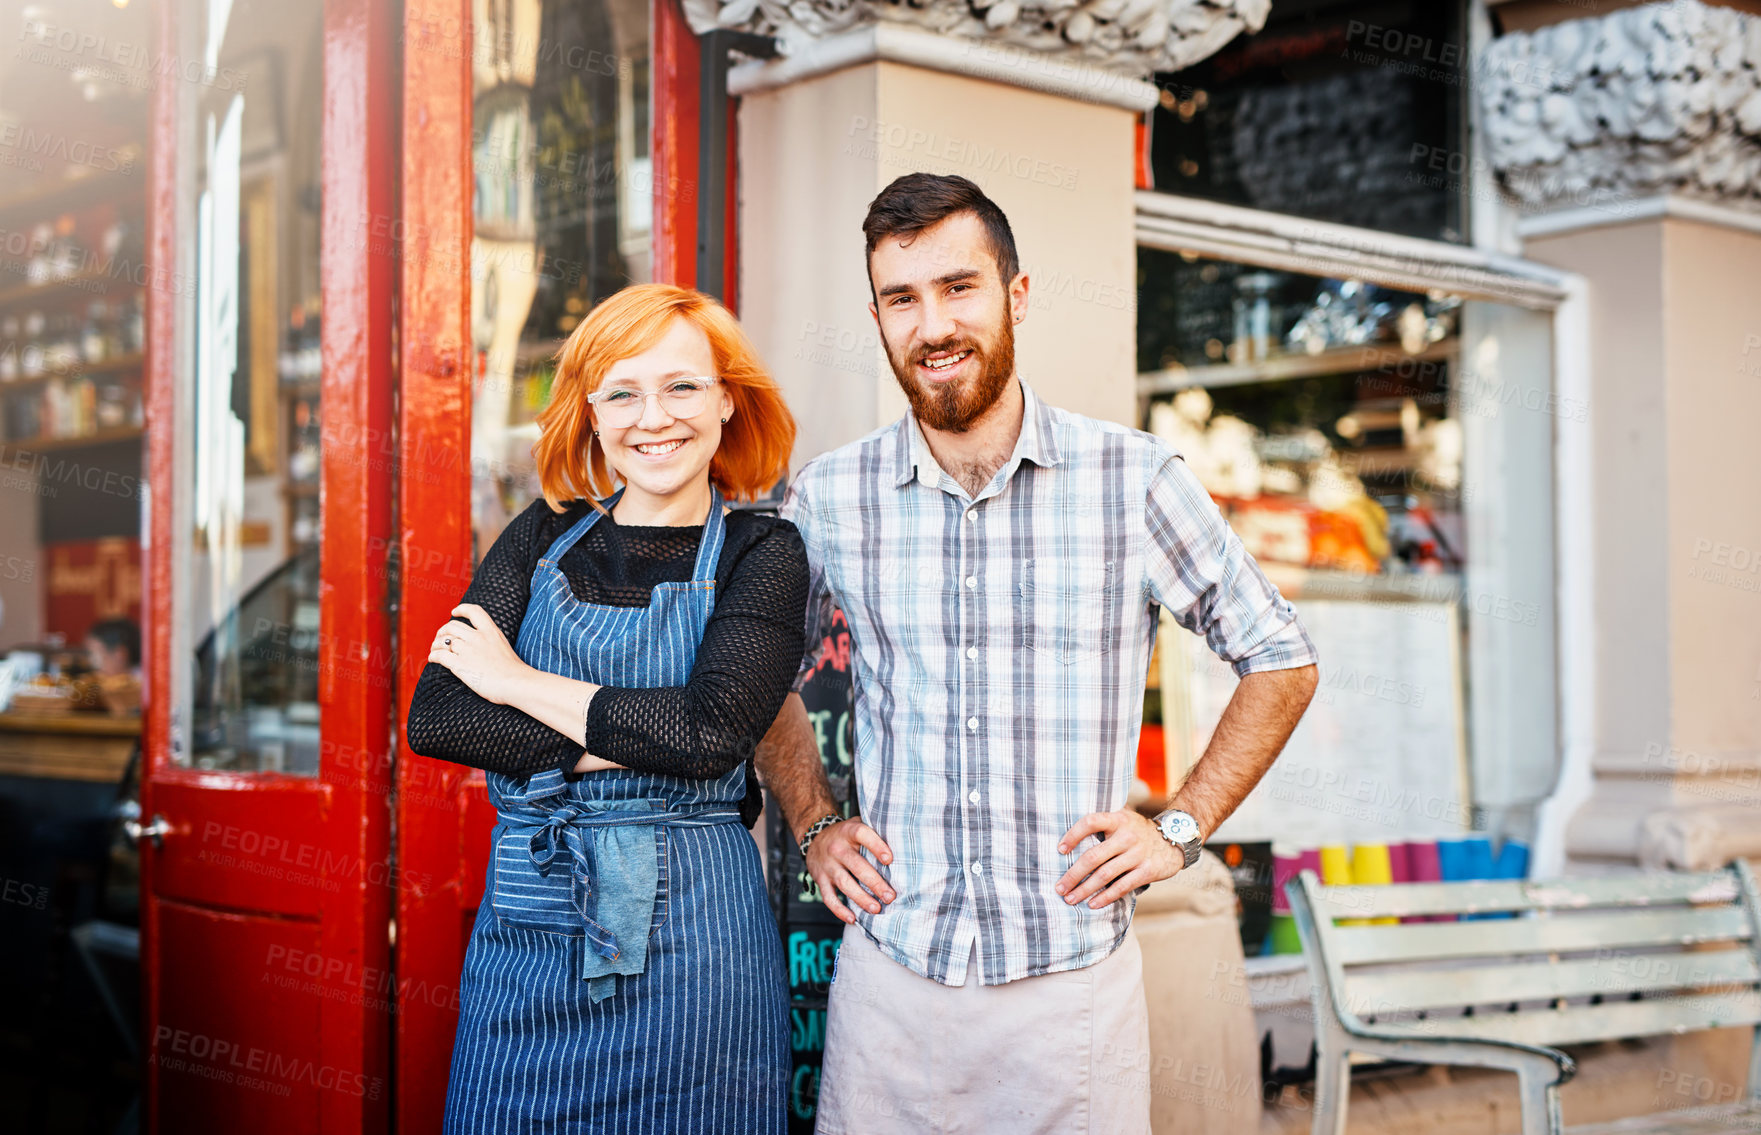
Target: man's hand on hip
{"points": [[835, 861], [1131, 853]]}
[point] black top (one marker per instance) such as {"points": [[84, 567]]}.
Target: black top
{"points": [[749, 655]]}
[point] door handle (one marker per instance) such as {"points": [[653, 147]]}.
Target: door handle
{"points": [[134, 829]]}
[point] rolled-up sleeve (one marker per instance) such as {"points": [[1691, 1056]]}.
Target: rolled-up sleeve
{"points": [[821, 607], [1199, 570]]}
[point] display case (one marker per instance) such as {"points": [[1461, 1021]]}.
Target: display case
{"points": [[1384, 455]]}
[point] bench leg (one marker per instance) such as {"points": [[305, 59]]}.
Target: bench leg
{"points": [[1540, 1100], [1332, 1080]]}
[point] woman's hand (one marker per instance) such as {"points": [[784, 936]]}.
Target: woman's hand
{"points": [[479, 654]]}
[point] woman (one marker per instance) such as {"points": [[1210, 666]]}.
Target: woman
{"points": [[613, 667]]}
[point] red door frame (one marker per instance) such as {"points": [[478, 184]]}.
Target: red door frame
{"points": [[434, 798], [341, 817], [443, 812]]}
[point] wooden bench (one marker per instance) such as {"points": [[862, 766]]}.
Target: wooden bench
{"points": [[1578, 960]]}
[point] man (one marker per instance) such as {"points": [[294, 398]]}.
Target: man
{"points": [[1000, 563]]}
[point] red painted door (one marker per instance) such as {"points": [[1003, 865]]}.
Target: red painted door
{"points": [[266, 868], [538, 177]]}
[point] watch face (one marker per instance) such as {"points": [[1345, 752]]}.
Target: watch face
{"points": [[1179, 827]]}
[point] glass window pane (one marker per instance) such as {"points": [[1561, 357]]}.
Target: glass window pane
{"points": [[1386, 457], [1341, 110], [562, 209], [252, 374]]}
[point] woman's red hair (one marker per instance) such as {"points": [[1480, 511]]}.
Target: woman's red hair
{"points": [[755, 445]]}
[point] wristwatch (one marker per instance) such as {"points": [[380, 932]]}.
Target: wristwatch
{"points": [[1181, 830]]}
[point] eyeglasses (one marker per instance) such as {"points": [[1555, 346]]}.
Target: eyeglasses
{"points": [[621, 406]]}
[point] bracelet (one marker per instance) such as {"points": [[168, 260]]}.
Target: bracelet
{"points": [[814, 829]]}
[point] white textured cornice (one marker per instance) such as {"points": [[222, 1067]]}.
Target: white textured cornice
{"points": [[1129, 37], [1658, 100], [902, 43]]}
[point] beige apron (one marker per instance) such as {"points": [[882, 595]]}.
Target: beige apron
{"points": [[1056, 1053]]}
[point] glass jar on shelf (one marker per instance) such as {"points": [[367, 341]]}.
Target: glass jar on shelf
{"points": [[30, 358], [302, 463], [10, 348], [113, 410], [92, 342]]}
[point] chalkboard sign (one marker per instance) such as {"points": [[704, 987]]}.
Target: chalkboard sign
{"points": [[811, 934]]}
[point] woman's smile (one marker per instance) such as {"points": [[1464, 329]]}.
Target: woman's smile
{"points": [[659, 450]]}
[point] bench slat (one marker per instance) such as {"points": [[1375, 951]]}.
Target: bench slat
{"points": [[1648, 888], [1713, 1119], [1418, 941], [1367, 993], [1579, 1023]]}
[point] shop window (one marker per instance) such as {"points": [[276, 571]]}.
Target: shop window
{"points": [[1345, 112], [250, 115], [1386, 457], [562, 212]]}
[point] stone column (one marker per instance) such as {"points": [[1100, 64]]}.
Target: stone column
{"points": [[1633, 143], [1035, 100]]}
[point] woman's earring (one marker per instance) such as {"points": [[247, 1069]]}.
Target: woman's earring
{"points": [[595, 433], [724, 421]]}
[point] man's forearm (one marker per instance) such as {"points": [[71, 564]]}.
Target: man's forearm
{"points": [[788, 763], [1251, 733]]}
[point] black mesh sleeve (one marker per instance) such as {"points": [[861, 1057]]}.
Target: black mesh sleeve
{"points": [[449, 720], [748, 656]]}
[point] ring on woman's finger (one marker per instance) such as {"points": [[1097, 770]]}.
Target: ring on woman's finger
{"points": [[448, 643]]}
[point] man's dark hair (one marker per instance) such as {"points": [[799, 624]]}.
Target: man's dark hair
{"points": [[119, 632], [916, 201]]}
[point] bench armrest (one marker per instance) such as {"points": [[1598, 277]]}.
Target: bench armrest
{"points": [[1550, 1065]]}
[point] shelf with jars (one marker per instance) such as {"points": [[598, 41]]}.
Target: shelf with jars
{"points": [[73, 329], [126, 183], [95, 250], [67, 376]]}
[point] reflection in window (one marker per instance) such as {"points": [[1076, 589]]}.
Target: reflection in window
{"points": [[1318, 413], [562, 204], [254, 335]]}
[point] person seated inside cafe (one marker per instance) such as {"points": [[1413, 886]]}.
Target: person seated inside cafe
{"points": [[113, 648]]}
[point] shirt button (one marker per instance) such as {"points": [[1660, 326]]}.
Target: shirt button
{"points": [[973, 796], [977, 868], [972, 652], [972, 723], [971, 515], [972, 581]]}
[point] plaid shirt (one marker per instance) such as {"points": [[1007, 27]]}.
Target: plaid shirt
{"points": [[999, 651]]}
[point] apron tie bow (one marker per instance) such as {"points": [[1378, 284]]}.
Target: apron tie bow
{"points": [[561, 830]]}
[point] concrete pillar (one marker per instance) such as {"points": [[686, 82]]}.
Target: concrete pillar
{"points": [[1676, 399], [815, 152], [1651, 191]]}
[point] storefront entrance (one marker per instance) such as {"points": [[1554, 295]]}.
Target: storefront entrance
{"points": [[265, 841], [379, 233]]}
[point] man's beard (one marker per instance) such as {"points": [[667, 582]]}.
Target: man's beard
{"points": [[953, 407]]}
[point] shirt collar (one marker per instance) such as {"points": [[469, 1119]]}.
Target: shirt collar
{"points": [[1037, 443]]}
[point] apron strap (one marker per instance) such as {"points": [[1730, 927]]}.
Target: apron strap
{"points": [[709, 548], [563, 543], [715, 534]]}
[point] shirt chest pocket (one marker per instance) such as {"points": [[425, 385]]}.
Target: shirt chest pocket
{"points": [[1068, 607]]}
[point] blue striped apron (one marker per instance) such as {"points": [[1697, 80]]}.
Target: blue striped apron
{"points": [[576, 1015]]}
